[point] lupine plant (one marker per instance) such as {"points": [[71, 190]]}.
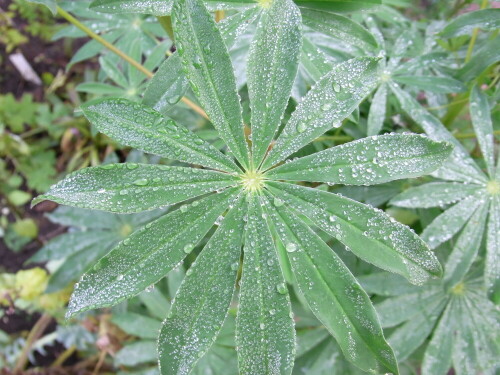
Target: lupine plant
{"points": [[252, 217]]}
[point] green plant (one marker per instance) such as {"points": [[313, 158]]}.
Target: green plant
{"points": [[255, 205]]}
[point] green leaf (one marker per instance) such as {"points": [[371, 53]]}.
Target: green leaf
{"points": [[376, 116], [314, 60], [136, 353], [332, 99], [434, 194], [75, 264], [339, 27], [437, 358], [368, 161], [466, 247], [51, 4], [137, 325], [201, 303], [70, 243], [449, 222], [432, 83], [156, 302], [148, 254], [407, 338], [141, 127], [99, 88], [460, 166], [339, 6], [487, 55], [86, 219], [271, 70], [492, 265], [210, 72], [386, 284], [264, 326], [169, 83], [159, 7], [334, 295], [167, 86], [486, 19], [131, 187], [394, 311], [369, 233], [483, 127]]}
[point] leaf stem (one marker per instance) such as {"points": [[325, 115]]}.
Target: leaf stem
{"points": [[472, 42], [34, 335], [68, 17]]}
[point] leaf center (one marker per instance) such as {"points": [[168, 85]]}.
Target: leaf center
{"points": [[252, 180], [493, 187]]}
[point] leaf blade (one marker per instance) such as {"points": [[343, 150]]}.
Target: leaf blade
{"points": [[210, 72], [271, 69], [264, 326], [335, 294], [142, 259], [202, 302], [323, 106], [129, 187], [483, 126], [368, 161], [357, 225], [434, 194], [339, 27], [143, 128]]}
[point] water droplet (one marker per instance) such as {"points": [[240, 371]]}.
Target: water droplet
{"points": [[278, 202], [291, 247], [281, 288], [301, 127], [173, 99], [326, 107], [262, 325], [336, 87], [119, 277], [141, 182], [132, 166], [272, 311], [235, 266], [188, 248], [184, 208], [124, 192]]}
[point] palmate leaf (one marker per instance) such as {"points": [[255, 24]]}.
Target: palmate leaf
{"points": [[368, 161], [275, 235], [333, 294], [265, 333], [148, 254], [210, 72], [130, 187], [193, 324]]}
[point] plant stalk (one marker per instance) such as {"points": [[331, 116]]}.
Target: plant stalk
{"points": [[35, 333]]}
